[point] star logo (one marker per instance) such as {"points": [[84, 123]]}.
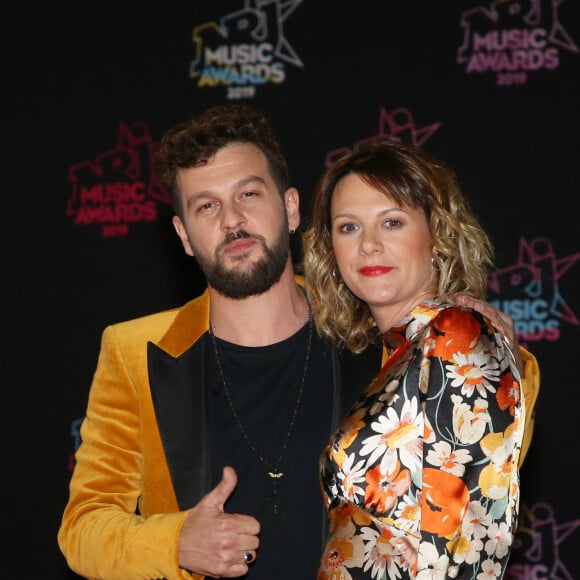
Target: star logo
{"points": [[396, 124]]}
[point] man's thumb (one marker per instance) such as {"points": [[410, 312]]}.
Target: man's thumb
{"points": [[222, 491]]}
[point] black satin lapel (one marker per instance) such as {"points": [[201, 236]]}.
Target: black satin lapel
{"points": [[179, 397]]}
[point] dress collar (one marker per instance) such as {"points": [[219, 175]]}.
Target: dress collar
{"points": [[413, 323]]}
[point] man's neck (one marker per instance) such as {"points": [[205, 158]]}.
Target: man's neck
{"points": [[260, 320]]}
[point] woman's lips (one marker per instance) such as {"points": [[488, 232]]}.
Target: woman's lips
{"points": [[374, 270]]}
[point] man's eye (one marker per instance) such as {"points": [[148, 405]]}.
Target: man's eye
{"points": [[205, 207]]}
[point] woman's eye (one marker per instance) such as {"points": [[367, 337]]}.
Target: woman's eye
{"points": [[393, 223], [346, 228]]}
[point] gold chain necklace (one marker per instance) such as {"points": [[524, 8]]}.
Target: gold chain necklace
{"points": [[274, 472]]}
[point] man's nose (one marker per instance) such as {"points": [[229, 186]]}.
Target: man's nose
{"points": [[232, 218]]}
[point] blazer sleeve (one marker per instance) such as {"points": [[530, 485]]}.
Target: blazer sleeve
{"points": [[531, 388], [102, 534]]}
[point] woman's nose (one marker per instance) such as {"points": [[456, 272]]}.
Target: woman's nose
{"points": [[370, 242]]}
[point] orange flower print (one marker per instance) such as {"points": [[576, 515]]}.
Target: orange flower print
{"points": [[338, 551], [508, 393], [408, 514], [346, 513], [444, 500], [454, 330], [344, 550], [346, 434], [384, 489]]}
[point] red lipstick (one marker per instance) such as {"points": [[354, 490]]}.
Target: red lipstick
{"points": [[372, 271]]}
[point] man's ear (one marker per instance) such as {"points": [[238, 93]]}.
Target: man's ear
{"points": [[292, 202], [180, 229]]}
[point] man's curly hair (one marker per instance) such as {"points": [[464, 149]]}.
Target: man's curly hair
{"points": [[195, 141]]}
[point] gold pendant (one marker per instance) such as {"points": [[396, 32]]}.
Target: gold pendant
{"points": [[275, 475]]}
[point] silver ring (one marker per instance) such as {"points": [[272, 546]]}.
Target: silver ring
{"points": [[248, 557]]}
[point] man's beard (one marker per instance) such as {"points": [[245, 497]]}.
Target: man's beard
{"points": [[255, 278]]}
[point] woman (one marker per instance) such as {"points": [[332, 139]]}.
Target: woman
{"points": [[421, 478]]}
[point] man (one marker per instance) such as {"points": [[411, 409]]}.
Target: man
{"points": [[200, 446]]}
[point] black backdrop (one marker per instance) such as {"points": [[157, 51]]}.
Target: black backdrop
{"points": [[492, 88]]}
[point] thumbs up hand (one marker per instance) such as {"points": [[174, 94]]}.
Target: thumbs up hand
{"points": [[215, 543]]}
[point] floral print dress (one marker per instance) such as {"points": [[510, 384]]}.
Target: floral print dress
{"points": [[421, 478]]}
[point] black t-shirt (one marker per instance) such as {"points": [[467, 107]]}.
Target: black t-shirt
{"points": [[264, 385]]}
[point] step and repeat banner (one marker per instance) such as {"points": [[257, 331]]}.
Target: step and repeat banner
{"points": [[493, 88]]}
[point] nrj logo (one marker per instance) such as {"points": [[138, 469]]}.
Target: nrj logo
{"points": [[529, 291], [247, 48], [118, 188], [536, 550], [396, 124], [513, 38]]}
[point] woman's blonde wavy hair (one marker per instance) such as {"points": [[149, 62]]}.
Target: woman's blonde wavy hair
{"points": [[462, 250]]}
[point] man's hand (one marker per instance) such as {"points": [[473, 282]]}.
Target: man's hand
{"points": [[500, 320], [212, 542]]}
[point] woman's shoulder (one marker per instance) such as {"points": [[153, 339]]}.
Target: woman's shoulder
{"points": [[462, 328]]}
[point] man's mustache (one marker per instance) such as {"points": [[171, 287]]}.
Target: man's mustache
{"points": [[238, 234]]}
